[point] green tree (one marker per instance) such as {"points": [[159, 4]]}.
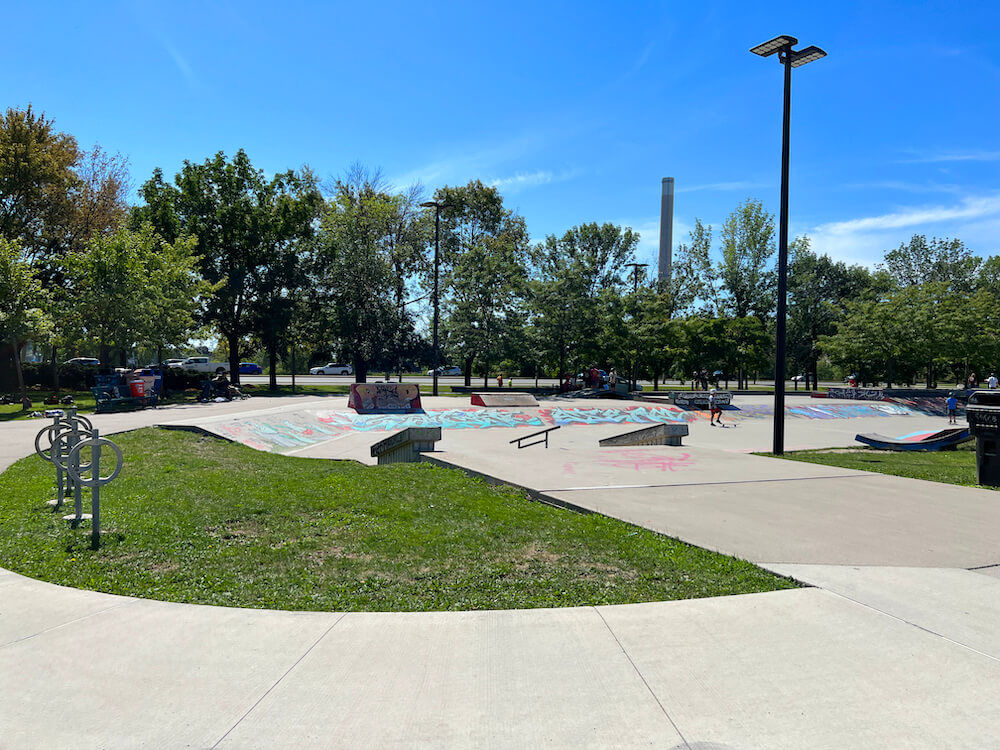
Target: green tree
{"points": [[694, 280], [36, 181], [818, 289], [241, 221], [939, 260], [747, 280], [572, 273], [22, 306], [485, 254], [352, 277], [132, 288]]}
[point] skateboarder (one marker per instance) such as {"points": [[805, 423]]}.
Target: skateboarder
{"points": [[713, 408], [952, 404]]}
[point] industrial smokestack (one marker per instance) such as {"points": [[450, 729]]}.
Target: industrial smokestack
{"points": [[666, 227]]}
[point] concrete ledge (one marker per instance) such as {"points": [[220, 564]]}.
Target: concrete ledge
{"points": [[660, 434], [406, 446]]}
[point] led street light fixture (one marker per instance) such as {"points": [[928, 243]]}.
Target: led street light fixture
{"points": [[806, 55], [779, 42]]}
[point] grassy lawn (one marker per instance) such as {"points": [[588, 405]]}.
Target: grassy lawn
{"points": [[196, 519], [953, 467]]}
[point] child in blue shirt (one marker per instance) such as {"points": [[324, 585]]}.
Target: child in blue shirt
{"points": [[952, 404]]}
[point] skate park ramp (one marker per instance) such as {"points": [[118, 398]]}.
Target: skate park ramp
{"points": [[514, 398], [941, 440]]}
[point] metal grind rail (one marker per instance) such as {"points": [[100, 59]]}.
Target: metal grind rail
{"points": [[535, 434]]}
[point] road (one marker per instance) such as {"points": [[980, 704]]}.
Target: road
{"points": [[459, 380]]}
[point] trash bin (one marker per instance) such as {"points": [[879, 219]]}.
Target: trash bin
{"points": [[983, 415], [137, 388]]}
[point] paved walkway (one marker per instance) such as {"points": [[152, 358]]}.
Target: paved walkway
{"points": [[900, 655]]}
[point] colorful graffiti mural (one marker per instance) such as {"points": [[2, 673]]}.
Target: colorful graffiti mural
{"points": [[856, 394], [454, 419], [564, 416], [369, 398], [291, 431]]}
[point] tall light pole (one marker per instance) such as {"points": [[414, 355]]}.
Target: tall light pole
{"points": [[789, 58], [635, 314], [438, 205]]}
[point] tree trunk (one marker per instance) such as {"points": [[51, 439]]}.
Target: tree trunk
{"points": [[930, 374], [105, 357], [468, 371], [360, 369], [234, 359], [159, 355], [272, 366], [55, 368], [20, 378]]}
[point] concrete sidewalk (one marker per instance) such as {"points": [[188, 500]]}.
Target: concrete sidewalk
{"points": [[788, 669]]}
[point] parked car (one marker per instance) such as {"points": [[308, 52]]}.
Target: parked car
{"points": [[83, 362], [250, 368], [442, 371], [175, 363], [203, 364], [798, 378], [332, 368]]}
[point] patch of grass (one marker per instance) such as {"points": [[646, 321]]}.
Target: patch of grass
{"points": [[196, 519], [952, 467]]}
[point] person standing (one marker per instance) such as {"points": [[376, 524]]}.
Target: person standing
{"points": [[992, 382], [499, 380], [952, 404]]}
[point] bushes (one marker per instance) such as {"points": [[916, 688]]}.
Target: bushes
{"points": [[39, 374]]}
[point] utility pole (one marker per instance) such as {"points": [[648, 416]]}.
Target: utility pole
{"points": [[635, 314]]}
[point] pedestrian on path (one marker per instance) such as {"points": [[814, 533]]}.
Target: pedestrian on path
{"points": [[992, 381], [499, 380], [952, 404]]}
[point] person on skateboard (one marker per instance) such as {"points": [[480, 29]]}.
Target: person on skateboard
{"points": [[714, 409]]}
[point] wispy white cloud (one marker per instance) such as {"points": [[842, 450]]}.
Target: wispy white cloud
{"points": [[722, 186], [864, 240], [969, 208], [907, 187], [950, 156], [182, 64], [467, 162], [521, 180]]}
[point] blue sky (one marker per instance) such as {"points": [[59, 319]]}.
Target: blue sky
{"points": [[575, 110]]}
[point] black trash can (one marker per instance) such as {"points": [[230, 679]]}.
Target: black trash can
{"points": [[983, 415]]}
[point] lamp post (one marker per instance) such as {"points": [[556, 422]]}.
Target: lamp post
{"points": [[438, 205], [789, 58], [635, 313]]}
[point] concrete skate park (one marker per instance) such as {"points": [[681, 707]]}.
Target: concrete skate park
{"points": [[891, 643]]}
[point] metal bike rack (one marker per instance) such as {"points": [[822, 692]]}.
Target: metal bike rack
{"points": [[54, 453], [95, 481]]}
